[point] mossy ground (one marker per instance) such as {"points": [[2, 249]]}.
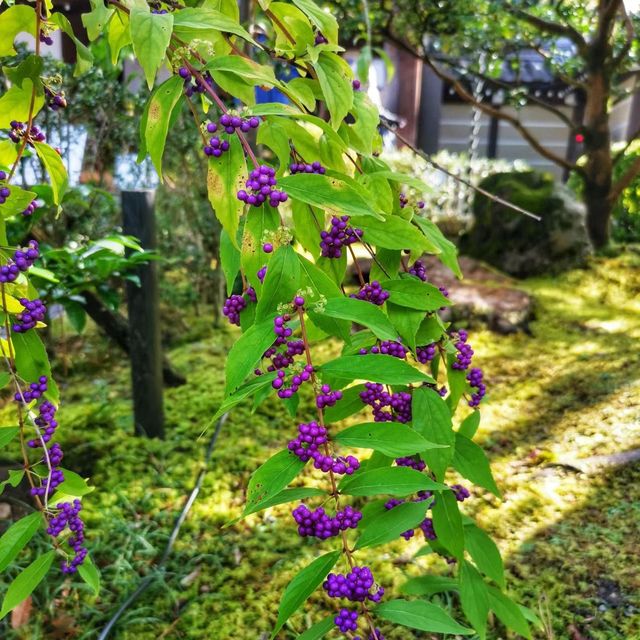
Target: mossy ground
{"points": [[569, 391]]}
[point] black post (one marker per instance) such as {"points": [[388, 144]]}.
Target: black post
{"points": [[144, 318]]}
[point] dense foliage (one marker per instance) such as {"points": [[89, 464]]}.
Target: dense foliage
{"points": [[289, 221]]}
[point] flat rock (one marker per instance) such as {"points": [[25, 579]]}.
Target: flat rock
{"points": [[484, 296]]}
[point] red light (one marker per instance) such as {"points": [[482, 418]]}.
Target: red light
{"points": [[579, 138]]}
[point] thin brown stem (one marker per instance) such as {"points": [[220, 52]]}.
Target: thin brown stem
{"points": [[357, 265]]}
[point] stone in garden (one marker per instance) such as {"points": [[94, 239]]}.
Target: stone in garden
{"points": [[518, 244]]}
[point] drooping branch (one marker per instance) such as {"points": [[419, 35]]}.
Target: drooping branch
{"points": [[631, 36], [625, 180], [491, 111], [496, 82], [550, 27]]}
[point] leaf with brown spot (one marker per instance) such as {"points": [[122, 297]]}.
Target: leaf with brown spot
{"points": [[20, 615]]}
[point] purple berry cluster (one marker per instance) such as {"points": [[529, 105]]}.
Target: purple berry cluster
{"points": [[319, 524], [261, 187], [474, 378], [426, 353], [327, 397], [19, 132], [357, 585], [461, 493], [229, 124], [5, 192], [296, 381], [465, 352], [34, 312], [232, 307], [302, 167], [411, 461], [373, 293], [375, 635], [307, 446], [387, 347], [356, 84], [193, 85], [404, 201], [418, 270], [339, 235], [387, 407], [45, 38], [31, 207], [35, 391], [320, 39], [68, 517], [55, 100], [346, 620], [21, 260]]}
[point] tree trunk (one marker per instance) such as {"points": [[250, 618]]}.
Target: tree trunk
{"points": [[598, 170]]}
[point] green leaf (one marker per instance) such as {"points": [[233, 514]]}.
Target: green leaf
{"points": [[302, 586], [55, 168], [322, 287], [32, 361], [447, 523], [97, 19], [16, 537], [281, 282], [431, 330], [412, 293], [393, 233], [17, 202], [469, 426], [119, 35], [418, 614], [364, 313], [14, 479], [197, 23], [272, 477], [246, 390], [508, 612], [324, 21], [485, 553], [7, 434], [5, 378], [74, 485], [286, 495], [406, 322], [349, 404], [26, 581], [150, 35], [448, 251], [90, 574], [260, 221], [84, 57], [457, 383], [428, 586], [319, 629], [246, 352], [225, 176], [391, 438], [15, 103], [229, 260], [292, 28], [390, 524], [155, 126], [328, 193], [248, 71], [334, 76], [76, 314], [17, 19], [432, 420], [364, 132], [374, 368], [474, 598], [393, 481], [8, 153], [471, 462]]}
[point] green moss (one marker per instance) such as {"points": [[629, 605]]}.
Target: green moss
{"points": [[567, 392]]}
